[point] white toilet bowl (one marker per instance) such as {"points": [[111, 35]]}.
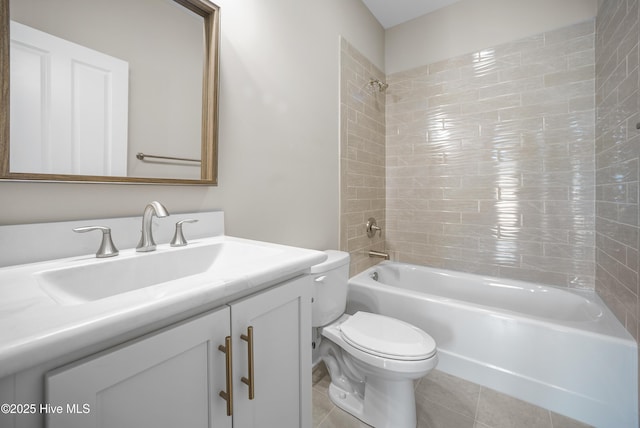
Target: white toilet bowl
{"points": [[372, 359]]}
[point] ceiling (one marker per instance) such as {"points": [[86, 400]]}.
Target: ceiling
{"points": [[393, 12]]}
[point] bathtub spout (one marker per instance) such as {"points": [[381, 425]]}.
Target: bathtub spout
{"points": [[380, 254]]}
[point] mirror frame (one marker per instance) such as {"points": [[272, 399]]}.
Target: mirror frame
{"points": [[209, 145]]}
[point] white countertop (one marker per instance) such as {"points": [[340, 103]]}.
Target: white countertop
{"points": [[35, 328]]}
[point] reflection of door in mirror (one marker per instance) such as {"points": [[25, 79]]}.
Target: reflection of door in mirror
{"points": [[171, 48], [69, 106]]}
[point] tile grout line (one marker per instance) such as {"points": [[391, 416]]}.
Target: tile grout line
{"points": [[475, 415], [324, 419]]}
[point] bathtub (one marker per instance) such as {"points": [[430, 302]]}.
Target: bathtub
{"points": [[558, 349]]}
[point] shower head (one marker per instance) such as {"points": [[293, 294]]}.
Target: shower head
{"points": [[377, 84]]}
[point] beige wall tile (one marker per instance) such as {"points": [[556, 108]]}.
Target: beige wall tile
{"points": [[616, 153], [501, 159], [363, 172], [485, 162]]}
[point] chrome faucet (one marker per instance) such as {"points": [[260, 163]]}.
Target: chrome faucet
{"points": [[146, 240]]}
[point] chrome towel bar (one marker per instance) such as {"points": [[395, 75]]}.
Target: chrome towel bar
{"points": [[142, 157]]}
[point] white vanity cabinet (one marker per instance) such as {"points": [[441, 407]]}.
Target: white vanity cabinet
{"points": [[173, 378], [281, 348], [166, 379]]}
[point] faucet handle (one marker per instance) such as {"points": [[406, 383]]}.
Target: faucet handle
{"points": [[178, 237], [107, 249], [372, 228]]}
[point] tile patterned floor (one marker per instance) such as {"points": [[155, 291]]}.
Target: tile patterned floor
{"points": [[445, 401]]}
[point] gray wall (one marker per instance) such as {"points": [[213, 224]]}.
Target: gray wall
{"points": [[279, 130]]}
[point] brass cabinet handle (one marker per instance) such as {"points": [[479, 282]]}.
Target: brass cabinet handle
{"points": [[228, 394], [249, 339]]}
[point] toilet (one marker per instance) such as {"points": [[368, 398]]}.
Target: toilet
{"points": [[372, 359]]}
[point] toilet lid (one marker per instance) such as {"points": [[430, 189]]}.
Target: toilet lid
{"points": [[387, 337]]}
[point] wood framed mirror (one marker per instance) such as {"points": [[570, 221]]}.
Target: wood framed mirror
{"points": [[157, 124]]}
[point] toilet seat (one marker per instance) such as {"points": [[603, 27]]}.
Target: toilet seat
{"points": [[384, 366], [387, 337]]}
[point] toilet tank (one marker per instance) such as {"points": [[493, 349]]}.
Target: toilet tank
{"points": [[330, 279]]}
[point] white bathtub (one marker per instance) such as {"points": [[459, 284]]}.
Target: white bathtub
{"points": [[559, 349]]}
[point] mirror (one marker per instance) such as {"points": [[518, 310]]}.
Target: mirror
{"points": [[156, 123]]}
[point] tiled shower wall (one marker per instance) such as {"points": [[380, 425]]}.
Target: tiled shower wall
{"points": [[490, 162], [362, 157], [617, 149]]}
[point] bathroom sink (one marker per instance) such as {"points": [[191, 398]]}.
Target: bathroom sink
{"points": [[95, 279]]}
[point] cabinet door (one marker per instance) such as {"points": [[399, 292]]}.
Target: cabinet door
{"points": [[281, 322], [167, 379]]}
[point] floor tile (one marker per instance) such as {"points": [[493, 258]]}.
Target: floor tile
{"points": [[450, 392], [432, 415], [560, 421], [337, 418], [446, 401], [322, 405], [498, 410]]}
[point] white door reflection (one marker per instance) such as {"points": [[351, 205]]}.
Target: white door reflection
{"points": [[69, 106]]}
